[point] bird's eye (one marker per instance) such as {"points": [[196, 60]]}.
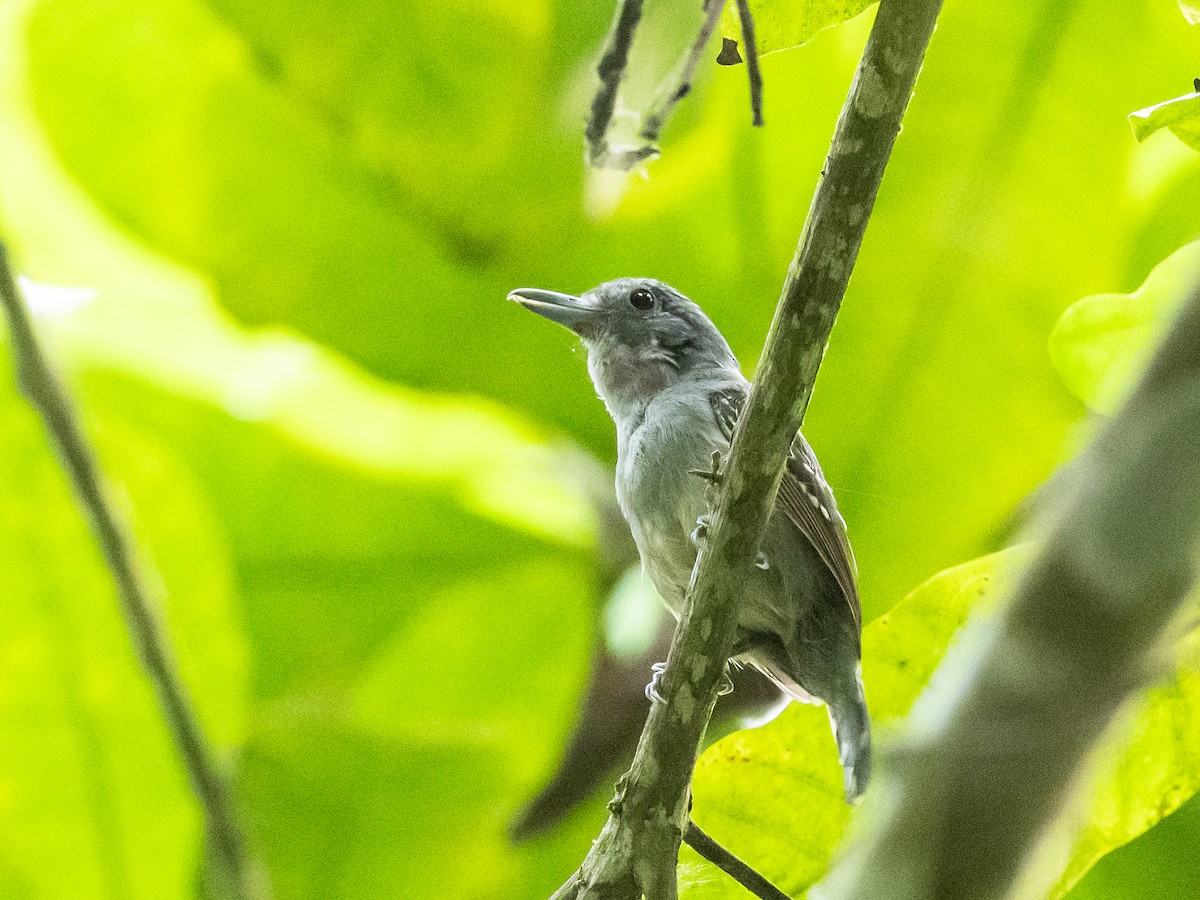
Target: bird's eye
{"points": [[641, 299]]}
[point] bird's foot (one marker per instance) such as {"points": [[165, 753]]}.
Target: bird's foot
{"points": [[659, 670], [700, 532], [653, 689], [726, 685], [713, 475], [760, 561]]}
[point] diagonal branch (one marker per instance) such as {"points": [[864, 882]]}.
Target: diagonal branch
{"points": [[973, 795], [671, 94], [636, 852], [730, 864], [235, 874]]}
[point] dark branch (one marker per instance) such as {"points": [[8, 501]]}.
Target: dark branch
{"points": [[611, 69], [752, 70], [730, 864], [637, 850], [972, 800], [236, 876]]}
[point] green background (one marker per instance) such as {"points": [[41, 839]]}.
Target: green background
{"points": [[269, 244]]}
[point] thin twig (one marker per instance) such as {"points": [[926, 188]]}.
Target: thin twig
{"points": [[611, 70], [753, 72], [637, 850], [730, 864], [40, 385], [660, 111], [971, 800]]}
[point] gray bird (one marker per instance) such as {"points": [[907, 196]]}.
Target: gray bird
{"points": [[674, 390]]}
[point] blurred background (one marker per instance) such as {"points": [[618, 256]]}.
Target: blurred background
{"points": [[269, 244]]}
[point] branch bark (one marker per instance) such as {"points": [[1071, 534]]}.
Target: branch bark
{"points": [[636, 852], [234, 873], [610, 70], [974, 790]]}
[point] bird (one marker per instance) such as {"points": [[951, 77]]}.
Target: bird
{"points": [[674, 390]]}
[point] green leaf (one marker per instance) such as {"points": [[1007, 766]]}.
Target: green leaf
{"points": [[371, 574], [780, 25], [253, 144], [382, 682], [88, 769], [213, 140], [1181, 115], [1102, 343], [375, 538], [437, 740], [301, 126], [750, 786]]}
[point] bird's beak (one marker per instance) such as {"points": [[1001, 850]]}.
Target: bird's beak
{"points": [[564, 309]]}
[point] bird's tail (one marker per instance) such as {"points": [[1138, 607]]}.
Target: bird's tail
{"points": [[852, 731]]}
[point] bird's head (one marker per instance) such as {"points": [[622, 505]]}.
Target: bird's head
{"points": [[642, 336]]}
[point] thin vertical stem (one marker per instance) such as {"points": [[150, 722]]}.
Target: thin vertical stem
{"points": [[753, 72]]}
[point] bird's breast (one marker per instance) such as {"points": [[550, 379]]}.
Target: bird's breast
{"points": [[661, 500]]}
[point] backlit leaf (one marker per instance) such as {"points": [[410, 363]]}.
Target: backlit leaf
{"points": [[1101, 344]]}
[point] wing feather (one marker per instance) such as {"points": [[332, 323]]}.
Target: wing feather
{"points": [[805, 498]]}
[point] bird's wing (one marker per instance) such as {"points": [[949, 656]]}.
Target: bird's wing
{"points": [[805, 498]]}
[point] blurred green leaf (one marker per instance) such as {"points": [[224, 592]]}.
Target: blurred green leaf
{"points": [[376, 176], [1160, 863], [780, 25], [372, 597], [213, 139], [1181, 115], [1102, 343], [434, 745], [374, 562], [412, 573], [88, 769], [298, 127], [372, 574]]}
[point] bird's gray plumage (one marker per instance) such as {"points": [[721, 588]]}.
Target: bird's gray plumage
{"points": [[675, 390]]}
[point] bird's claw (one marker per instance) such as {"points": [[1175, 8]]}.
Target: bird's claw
{"points": [[700, 532], [713, 475], [659, 670], [653, 692], [760, 561]]}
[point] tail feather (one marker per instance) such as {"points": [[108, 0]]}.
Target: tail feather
{"points": [[839, 685], [852, 731]]}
